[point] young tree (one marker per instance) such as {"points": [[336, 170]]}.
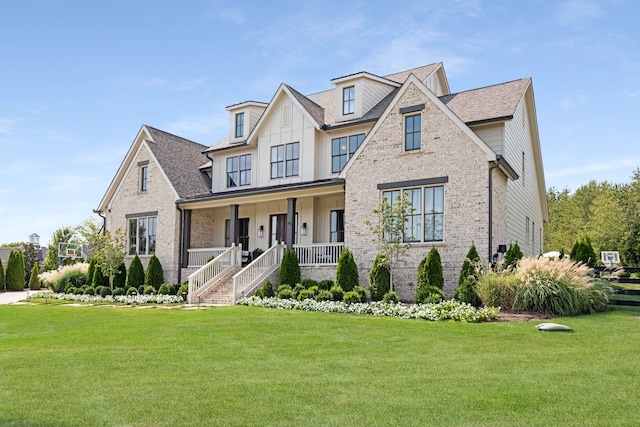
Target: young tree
{"points": [[61, 235], [347, 271], [109, 253], [15, 271], [379, 278], [34, 282], [154, 276], [135, 276], [390, 229], [289, 269]]}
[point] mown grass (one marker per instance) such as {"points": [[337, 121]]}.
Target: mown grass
{"points": [[72, 366]]}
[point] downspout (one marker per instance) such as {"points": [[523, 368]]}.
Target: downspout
{"points": [[180, 242], [491, 168], [104, 220], [207, 156]]}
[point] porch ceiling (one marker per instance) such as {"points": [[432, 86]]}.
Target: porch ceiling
{"points": [[266, 194]]}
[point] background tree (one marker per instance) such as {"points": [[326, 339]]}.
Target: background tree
{"points": [[109, 254], [289, 269], [379, 278], [135, 275], [61, 235], [34, 282], [346, 271], [3, 283], [154, 276], [15, 276], [390, 230], [30, 254], [89, 233]]}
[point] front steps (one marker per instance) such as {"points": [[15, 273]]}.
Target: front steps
{"points": [[220, 293]]}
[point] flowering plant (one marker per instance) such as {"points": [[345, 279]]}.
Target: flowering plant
{"points": [[120, 299]]}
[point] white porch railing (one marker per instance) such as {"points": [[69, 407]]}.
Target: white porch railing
{"points": [[217, 267], [200, 256], [246, 280], [318, 253]]}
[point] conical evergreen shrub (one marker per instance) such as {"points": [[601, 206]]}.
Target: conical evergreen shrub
{"points": [[99, 279], [289, 269], [135, 275], [34, 282], [434, 269], [15, 276], [90, 271], [582, 251], [469, 264], [120, 279], [430, 283], [2, 278], [154, 276], [379, 278], [466, 291], [513, 255], [347, 271]]}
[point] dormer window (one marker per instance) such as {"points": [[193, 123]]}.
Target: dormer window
{"points": [[239, 125], [348, 100]]}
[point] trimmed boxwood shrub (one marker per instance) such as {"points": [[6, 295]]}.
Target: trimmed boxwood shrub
{"points": [[78, 291], [105, 291], [391, 298], [15, 275], [351, 297], [118, 291], [266, 290], [347, 271], [337, 293], [135, 275], [307, 283], [164, 289], [362, 292], [89, 290], [379, 277], [285, 292], [323, 295], [149, 290], [308, 293], [289, 269], [131, 291], [71, 278], [183, 291], [325, 284], [154, 276]]}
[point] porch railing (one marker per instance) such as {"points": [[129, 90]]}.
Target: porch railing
{"points": [[246, 280], [200, 256], [219, 266], [318, 253]]}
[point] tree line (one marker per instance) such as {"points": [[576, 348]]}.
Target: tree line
{"points": [[607, 214]]}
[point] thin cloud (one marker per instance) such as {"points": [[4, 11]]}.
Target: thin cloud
{"points": [[594, 167], [7, 125], [233, 15], [577, 13], [214, 124]]}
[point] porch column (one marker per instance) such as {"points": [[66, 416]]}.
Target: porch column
{"points": [[290, 232], [186, 237], [234, 224]]}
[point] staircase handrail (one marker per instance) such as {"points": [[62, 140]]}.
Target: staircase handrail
{"points": [[213, 269], [246, 280]]}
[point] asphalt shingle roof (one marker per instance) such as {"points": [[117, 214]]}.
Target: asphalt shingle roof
{"points": [[180, 160]]}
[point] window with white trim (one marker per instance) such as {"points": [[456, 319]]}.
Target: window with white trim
{"points": [[285, 160], [336, 233], [239, 125], [142, 235], [239, 170]]}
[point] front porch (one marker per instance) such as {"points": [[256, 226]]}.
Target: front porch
{"points": [[227, 274]]}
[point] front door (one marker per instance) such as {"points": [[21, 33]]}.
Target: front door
{"points": [[278, 226]]}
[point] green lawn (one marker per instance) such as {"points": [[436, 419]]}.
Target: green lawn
{"points": [[77, 366]]}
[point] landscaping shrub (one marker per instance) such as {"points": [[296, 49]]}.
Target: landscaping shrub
{"points": [[89, 290], [379, 278], [323, 295], [434, 269], [466, 292], [337, 293], [2, 278], [70, 278], [307, 283], [430, 281], [289, 269], [266, 290], [391, 298], [428, 294], [141, 289], [285, 292], [120, 279], [346, 271], [131, 291], [362, 292], [105, 291], [513, 255], [582, 251], [307, 293], [71, 290], [154, 276], [34, 281], [351, 297], [118, 291], [183, 291], [470, 265], [297, 289], [164, 289], [325, 284], [135, 275], [91, 270], [15, 275], [497, 289], [149, 290], [77, 291], [99, 279]]}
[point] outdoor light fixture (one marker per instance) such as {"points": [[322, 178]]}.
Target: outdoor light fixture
{"points": [[303, 230], [261, 231], [502, 249]]}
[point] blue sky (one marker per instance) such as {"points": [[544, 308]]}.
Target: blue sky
{"points": [[78, 79]]}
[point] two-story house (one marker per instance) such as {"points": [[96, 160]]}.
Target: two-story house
{"points": [[308, 170]]}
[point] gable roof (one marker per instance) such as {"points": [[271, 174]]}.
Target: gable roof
{"points": [[178, 158], [496, 102]]}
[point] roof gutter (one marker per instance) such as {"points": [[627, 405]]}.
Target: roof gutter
{"points": [[499, 162], [104, 220]]}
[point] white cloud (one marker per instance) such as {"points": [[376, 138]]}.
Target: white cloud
{"points": [[210, 125], [7, 125], [577, 13], [574, 101], [594, 167], [233, 15]]}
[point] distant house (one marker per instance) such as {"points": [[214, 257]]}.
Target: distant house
{"points": [[308, 170]]}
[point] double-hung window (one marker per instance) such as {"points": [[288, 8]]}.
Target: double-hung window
{"points": [[142, 235], [434, 214], [342, 149], [285, 160], [412, 131], [239, 125], [144, 175], [239, 170], [336, 233], [348, 100]]}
